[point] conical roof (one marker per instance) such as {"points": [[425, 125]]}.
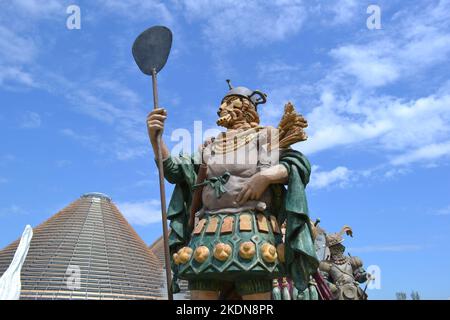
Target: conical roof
{"points": [[92, 236], [157, 248]]}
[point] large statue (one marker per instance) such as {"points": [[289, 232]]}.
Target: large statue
{"points": [[230, 200], [344, 274]]}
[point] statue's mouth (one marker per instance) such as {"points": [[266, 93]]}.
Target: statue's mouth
{"points": [[224, 120]]}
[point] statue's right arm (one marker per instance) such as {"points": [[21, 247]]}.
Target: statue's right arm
{"points": [[358, 271], [155, 128]]}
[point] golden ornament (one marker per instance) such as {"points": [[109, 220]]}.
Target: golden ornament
{"points": [[269, 253], [176, 259], [222, 251], [247, 250], [201, 254], [183, 255]]}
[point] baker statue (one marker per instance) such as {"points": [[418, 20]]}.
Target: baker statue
{"points": [[230, 199]]}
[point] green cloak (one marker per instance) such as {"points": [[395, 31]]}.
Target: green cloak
{"points": [[289, 205]]}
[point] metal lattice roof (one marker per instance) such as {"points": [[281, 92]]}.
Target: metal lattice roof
{"points": [[92, 236], [158, 249]]}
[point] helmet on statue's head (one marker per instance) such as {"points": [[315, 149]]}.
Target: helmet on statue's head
{"points": [[334, 239], [255, 96], [337, 238]]}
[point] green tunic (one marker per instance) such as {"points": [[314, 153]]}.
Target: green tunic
{"points": [[288, 205]]}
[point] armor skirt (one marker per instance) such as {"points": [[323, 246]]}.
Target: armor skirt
{"points": [[233, 247]]}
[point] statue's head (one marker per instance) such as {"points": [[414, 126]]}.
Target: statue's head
{"points": [[239, 108], [334, 240]]}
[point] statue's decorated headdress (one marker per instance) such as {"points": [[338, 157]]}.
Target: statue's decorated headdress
{"points": [[336, 238], [255, 96]]}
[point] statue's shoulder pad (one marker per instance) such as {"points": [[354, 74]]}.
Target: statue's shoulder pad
{"points": [[325, 266], [356, 262]]}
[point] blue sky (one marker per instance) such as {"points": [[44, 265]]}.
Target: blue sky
{"points": [[73, 107]]}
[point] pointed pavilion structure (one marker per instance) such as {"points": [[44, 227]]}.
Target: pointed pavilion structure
{"points": [[88, 251], [157, 248]]}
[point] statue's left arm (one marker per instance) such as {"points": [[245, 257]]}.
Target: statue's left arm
{"points": [[253, 190]]}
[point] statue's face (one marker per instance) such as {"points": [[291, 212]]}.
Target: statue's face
{"points": [[237, 112], [230, 111], [337, 250]]}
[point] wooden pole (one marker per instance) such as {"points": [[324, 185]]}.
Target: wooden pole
{"points": [[162, 193]]}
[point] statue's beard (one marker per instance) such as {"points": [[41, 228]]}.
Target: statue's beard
{"points": [[230, 119]]}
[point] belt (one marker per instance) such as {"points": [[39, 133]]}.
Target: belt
{"points": [[217, 183]]}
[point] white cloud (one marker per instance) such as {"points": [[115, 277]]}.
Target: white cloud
{"points": [[13, 210], [139, 9], [38, 8], [15, 52], [322, 179], [106, 100], [343, 11], [386, 122], [87, 102], [15, 48], [122, 92], [87, 139], [254, 23], [145, 183], [347, 117], [443, 212], [418, 39], [91, 141], [111, 103], [347, 108], [30, 120], [276, 68], [350, 112], [372, 67], [425, 153], [125, 153], [391, 173], [249, 23], [141, 213], [11, 76], [6, 158]]}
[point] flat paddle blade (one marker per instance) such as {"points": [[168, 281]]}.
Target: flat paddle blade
{"points": [[151, 49]]}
